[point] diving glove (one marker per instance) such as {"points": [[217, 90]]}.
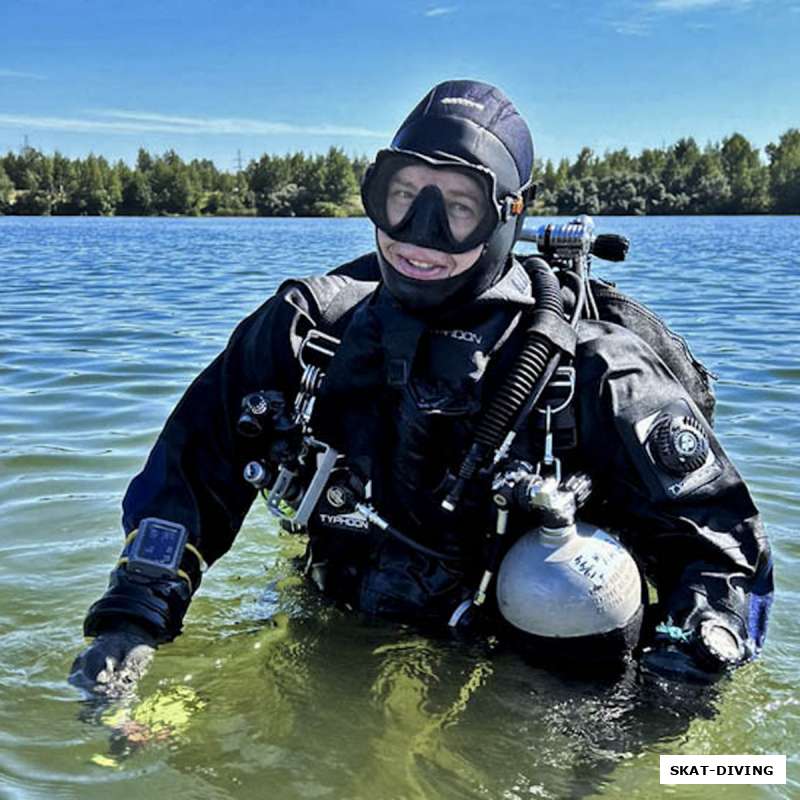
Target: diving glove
{"points": [[113, 663], [701, 654]]}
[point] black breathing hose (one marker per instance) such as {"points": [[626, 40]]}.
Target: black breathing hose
{"points": [[579, 289], [516, 391]]}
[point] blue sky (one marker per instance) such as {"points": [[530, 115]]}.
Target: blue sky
{"points": [[210, 79]]}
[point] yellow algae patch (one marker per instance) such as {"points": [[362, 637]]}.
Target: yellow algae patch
{"points": [[104, 761], [164, 714]]}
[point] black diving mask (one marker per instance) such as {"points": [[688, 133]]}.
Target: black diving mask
{"points": [[446, 205]]}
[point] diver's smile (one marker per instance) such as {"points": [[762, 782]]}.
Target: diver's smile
{"points": [[420, 263], [423, 263]]}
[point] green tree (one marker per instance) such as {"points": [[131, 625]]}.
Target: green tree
{"points": [[313, 177], [6, 191], [137, 196], [784, 172], [570, 198], [11, 166], [91, 194], [283, 202], [656, 201], [172, 188], [549, 179], [144, 161], [562, 173], [584, 164], [747, 177], [265, 178], [747, 173], [339, 183], [63, 183], [707, 183], [679, 163], [619, 194], [29, 170], [652, 162], [617, 162]]}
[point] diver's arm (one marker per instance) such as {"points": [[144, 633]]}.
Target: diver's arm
{"points": [[193, 477], [697, 532]]}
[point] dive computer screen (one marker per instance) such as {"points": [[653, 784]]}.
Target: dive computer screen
{"points": [[158, 547]]}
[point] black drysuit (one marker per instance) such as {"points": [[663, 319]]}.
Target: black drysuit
{"points": [[401, 400]]}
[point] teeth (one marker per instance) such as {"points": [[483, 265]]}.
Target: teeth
{"points": [[420, 264]]}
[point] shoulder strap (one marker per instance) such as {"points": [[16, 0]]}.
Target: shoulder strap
{"points": [[337, 293]]}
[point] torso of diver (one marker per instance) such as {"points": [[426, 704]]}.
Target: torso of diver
{"points": [[408, 435]]}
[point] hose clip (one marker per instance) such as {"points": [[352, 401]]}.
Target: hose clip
{"points": [[549, 465]]}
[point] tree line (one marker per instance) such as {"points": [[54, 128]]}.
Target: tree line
{"points": [[32, 182], [729, 177]]}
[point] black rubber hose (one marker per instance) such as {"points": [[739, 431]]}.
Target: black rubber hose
{"points": [[419, 547], [515, 392], [579, 290]]}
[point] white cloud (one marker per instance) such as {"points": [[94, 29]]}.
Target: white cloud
{"points": [[689, 5], [633, 27], [439, 11], [132, 122], [645, 16], [28, 76], [237, 125]]}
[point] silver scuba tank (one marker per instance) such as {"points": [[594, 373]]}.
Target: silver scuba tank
{"points": [[568, 581]]}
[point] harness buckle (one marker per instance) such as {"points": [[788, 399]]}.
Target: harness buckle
{"points": [[563, 379], [317, 349]]}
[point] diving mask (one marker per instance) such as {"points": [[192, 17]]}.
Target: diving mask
{"points": [[447, 205]]}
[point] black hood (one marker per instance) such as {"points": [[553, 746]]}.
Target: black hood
{"points": [[473, 122]]}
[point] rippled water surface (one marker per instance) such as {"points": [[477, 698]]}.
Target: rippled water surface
{"points": [[269, 693]]}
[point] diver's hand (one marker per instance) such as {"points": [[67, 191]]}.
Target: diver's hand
{"points": [[113, 663], [676, 663], [702, 654]]}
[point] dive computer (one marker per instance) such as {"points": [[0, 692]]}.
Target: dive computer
{"points": [[157, 548]]}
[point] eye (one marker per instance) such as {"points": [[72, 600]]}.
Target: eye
{"points": [[461, 210], [402, 195]]}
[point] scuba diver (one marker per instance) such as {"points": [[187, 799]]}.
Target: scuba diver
{"points": [[457, 430]]}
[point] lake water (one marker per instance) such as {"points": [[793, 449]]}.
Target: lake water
{"points": [[269, 693]]}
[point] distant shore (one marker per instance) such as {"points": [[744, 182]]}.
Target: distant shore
{"points": [[538, 214], [726, 178]]}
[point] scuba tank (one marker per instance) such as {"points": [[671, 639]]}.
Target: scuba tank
{"points": [[566, 588]]}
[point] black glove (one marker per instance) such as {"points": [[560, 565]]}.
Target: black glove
{"points": [[702, 653], [113, 663]]}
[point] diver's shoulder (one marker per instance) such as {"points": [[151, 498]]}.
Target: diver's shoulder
{"points": [[329, 297], [363, 268]]}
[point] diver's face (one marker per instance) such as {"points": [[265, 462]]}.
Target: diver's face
{"points": [[465, 206]]}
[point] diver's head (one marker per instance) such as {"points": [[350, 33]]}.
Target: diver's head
{"points": [[448, 196]]}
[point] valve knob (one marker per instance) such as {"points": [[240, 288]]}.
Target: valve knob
{"points": [[718, 645], [680, 445]]}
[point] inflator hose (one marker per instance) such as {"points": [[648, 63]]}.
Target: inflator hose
{"points": [[515, 392]]}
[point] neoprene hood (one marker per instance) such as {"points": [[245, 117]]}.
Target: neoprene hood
{"points": [[472, 123]]}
